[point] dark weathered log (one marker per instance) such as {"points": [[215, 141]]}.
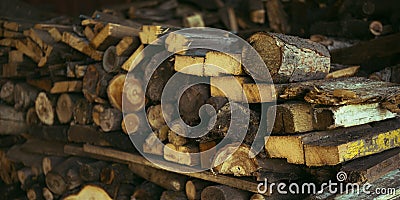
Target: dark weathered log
{"points": [[257, 11], [223, 192], [8, 171], [43, 147], [109, 119], [111, 61], [111, 34], [82, 112], [48, 163], [170, 195], [277, 17], [65, 176], [24, 96], [165, 179], [379, 47], [91, 171], [35, 192], [11, 121], [277, 52], [158, 81]]}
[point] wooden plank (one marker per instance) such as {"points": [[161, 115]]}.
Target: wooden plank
{"points": [[278, 146], [373, 167], [339, 148], [81, 45], [111, 34], [292, 117]]}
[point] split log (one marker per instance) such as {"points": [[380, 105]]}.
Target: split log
{"points": [[276, 146], [189, 65], [66, 86], [157, 118], [30, 49], [51, 133], [371, 168], [109, 119], [147, 190], [94, 84], [195, 20], [111, 34], [338, 148], [82, 112], [111, 61], [31, 160], [165, 179], [117, 173], [90, 172], [7, 92], [90, 192], [134, 123], [236, 161], [158, 80], [48, 163], [194, 187], [277, 52], [185, 155], [45, 108], [11, 121], [150, 33], [76, 69], [127, 46], [64, 176], [223, 192], [65, 107], [81, 45], [115, 89], [24, 96]]}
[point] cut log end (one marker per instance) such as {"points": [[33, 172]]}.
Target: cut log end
{"points": [[230, 160], [44, 109]]}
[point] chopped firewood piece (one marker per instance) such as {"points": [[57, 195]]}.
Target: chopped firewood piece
{"points": [[347, 72], [81, 45], [111, 34], [217, 63], [45, 108], [189, 65], [134, 59], [185, 155], [127, 46]]}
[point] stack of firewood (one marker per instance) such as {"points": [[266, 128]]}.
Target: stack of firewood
{"points": [[63, 133]]}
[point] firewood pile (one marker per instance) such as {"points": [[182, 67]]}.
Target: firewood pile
{"points": [[334, 91]]}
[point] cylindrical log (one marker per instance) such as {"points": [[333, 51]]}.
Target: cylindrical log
{"points": [[286, 58], [65, 107], [223, 192], [83, 112], [91, 171], [112, 62], [94, 84], [133, 123], [191, 101], [45, 108], [24, 96], [115, 89], [155, 115], [65, 176], [7, 92], [109, 119], [194, 187], [158, 80], [134, 96]]}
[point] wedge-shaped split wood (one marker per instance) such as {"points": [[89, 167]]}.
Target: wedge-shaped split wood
{"points": [[111, 34]]}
